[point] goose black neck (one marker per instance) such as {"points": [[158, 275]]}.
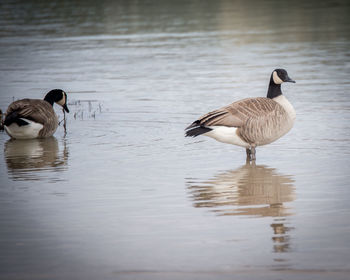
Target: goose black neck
{"points": [[274, 90], [49, 98]]}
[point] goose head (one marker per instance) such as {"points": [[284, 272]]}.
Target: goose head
{"points": [[57, 96], [280, 76]]}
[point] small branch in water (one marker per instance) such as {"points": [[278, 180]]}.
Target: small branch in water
{"points": [[64, 122]]}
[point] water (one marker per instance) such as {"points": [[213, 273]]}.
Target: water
{"points": [[122, 194]]}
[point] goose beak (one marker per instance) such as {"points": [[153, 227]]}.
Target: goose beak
{"points": [[289, 80], [65, 108]]}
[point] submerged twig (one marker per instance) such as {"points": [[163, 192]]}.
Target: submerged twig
{"points": [[64, 122]]}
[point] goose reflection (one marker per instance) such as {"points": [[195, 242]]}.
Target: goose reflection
{"points": [[251, 190], [30, 159]]}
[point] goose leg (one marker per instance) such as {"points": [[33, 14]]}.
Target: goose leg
{"points": [[252, 156], [247, 160], [248, 152]]}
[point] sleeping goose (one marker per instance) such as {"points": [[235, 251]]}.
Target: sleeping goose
{"points": [[250, 122], [34, 118]]}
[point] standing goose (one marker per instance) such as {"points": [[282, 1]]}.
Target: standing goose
{"points": [[250, 122], [34, 118]]}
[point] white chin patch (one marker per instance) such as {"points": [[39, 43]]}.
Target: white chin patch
{"points": [[277, 80], [62, 101]]}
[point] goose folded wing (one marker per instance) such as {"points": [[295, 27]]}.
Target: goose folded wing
{"points": [[238, 113], [220, 117], [36, 110]]}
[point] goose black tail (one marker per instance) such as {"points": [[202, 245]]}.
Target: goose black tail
{"points": [[14, 118], [195, 131]]}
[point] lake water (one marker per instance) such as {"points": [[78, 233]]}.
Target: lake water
{"points": [[122, 194]]}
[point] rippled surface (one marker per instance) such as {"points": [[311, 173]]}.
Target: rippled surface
{"points": [[122, 194]]}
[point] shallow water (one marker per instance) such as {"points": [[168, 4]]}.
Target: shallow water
{"points": [[122, 194]]}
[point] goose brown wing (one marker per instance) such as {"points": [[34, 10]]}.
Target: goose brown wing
{"points": [[238, 113], [36, 110]]}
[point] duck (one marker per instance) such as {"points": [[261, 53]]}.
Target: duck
{"points": [[250, 122], [34, 118]]}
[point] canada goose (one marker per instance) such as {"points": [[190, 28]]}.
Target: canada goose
{"points": [[34, 118], [250, 122]]}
